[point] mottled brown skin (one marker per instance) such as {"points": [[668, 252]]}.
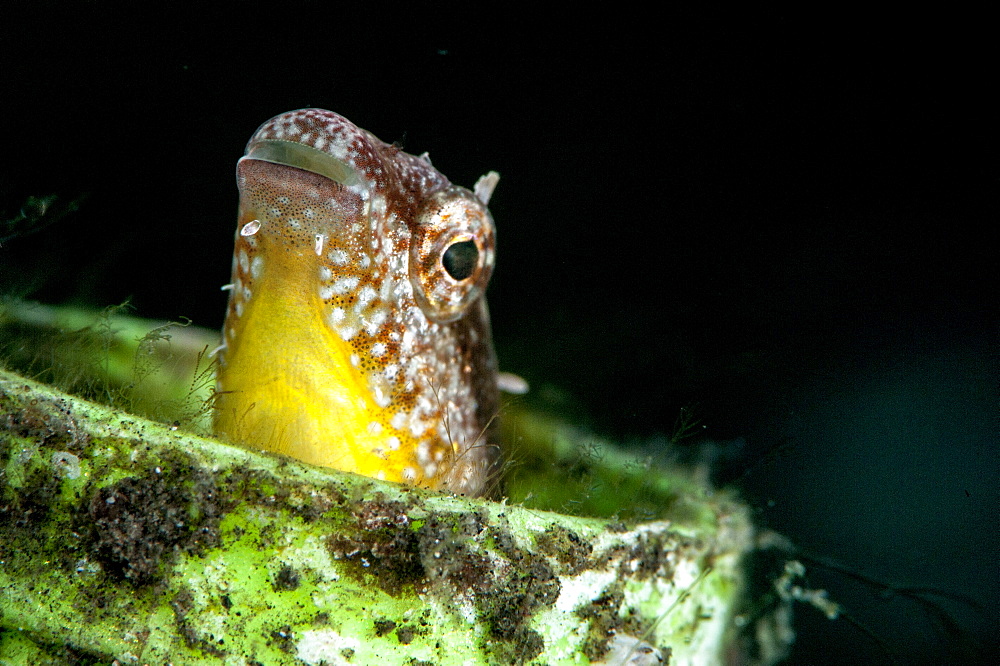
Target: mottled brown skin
{"points": [[357, 334]]}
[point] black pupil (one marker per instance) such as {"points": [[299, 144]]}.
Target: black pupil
{"points": [[460, 259]]}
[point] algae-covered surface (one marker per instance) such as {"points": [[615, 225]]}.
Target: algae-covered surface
{"points": [[127, 539]]}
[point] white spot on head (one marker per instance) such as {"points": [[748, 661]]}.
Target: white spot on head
{"points": [[408, 339], [423, 452], [385, 291], [347, 331], [409, 474], [377, 317], [325, 274], [366, 296], [256, 266], [337, 316], [398, 262], [338, 257], [382, 398], [250, 228], [374, 427], [378, 349], [346, 285]]}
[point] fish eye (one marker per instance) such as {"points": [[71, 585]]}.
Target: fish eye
{"points": [[460, 259], [451, 254]]}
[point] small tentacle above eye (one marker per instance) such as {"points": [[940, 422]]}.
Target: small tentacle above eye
{"points": [[485, 186], [452, 253]]}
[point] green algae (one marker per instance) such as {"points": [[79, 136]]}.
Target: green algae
{"points": [[123, 538]]}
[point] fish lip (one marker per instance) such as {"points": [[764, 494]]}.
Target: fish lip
{"points": [[301, 156]]}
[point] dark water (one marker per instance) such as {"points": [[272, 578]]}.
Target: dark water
{"points": [[787, 228]]}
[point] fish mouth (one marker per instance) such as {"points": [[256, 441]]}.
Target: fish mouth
{"points": [[301, 156]]}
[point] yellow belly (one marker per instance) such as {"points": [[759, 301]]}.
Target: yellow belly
{"points": [[289, 385]]}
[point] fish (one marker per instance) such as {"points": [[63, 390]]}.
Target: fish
{"points": [[357, 334]]}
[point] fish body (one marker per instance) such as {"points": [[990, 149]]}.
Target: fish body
{"points": [[357, 334]]}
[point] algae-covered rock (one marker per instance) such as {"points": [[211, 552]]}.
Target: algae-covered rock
{"points": [[130, 540]]}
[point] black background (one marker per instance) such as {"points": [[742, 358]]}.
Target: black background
{"points": [[786, 224]]}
